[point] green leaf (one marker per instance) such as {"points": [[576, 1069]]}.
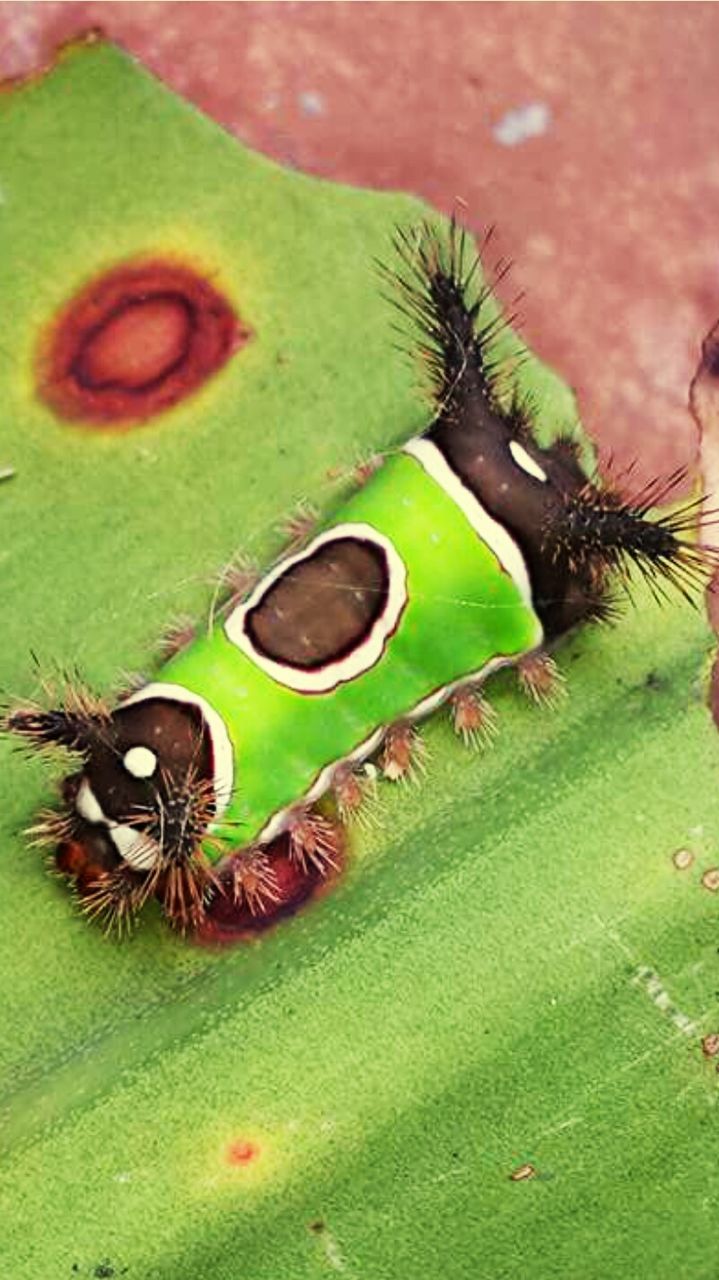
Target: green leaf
{"points": [[512, 972]]}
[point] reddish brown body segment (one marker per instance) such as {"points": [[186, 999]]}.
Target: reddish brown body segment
{"points": [[134, 342], [227, 921]]}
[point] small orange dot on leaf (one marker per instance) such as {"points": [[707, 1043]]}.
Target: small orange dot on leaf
{"points": [[242, 1152]]}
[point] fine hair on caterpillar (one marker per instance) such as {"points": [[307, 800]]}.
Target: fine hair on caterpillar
{"points": [[222, 787]]}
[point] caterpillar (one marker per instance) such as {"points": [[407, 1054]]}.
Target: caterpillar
{"points": [[469, 549]]}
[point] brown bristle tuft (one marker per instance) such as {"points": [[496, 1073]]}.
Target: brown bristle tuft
{"points": [[178, 820], [300, 525], [541, 680], [473, 717], [73, 727], [355, 793], [176, 827], [239, 576], [51, 828], [185, 887], [254, 882], [114, 899], [403, 755], [176, 636], [314, 841]]}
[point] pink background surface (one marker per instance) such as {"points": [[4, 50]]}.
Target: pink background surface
{"points": [[606, 195]]}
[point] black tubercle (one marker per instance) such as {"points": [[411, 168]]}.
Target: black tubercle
{"points": [[76, 726], [182, 876], [183, 808], [598, 531], [574, 534], [438, 288]]}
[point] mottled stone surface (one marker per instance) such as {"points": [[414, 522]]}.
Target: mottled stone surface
{"points": [[585, 131]]}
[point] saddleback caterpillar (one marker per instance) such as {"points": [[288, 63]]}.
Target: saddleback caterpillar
{"points": [[222, 786]]}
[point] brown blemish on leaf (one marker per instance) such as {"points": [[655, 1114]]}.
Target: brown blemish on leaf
{"points": [[683, 859], [710, 879], [710, 1045], [134, 342]]}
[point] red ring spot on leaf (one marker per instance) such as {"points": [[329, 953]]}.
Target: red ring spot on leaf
{"points": [[242, 1152], [135, 342], [136, 347]]}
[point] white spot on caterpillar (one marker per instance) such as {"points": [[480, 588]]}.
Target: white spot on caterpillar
{"points": [[523, 460], [140, 762], [87, 804], [134, 846]]}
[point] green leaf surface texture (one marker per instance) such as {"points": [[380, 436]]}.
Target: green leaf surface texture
{"points": [[511, 970]]}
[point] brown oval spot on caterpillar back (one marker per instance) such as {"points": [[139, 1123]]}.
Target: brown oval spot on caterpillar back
{"points": [[134, 342], [321, 609]]}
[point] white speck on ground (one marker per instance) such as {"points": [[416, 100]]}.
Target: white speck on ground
{"points": [[311, 103], [521, 123]]}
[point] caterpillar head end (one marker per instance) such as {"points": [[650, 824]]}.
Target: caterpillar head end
{"points": [[154, 775]]}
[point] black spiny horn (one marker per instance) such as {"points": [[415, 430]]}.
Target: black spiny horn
{"points": [[598, 532], [438, 286], [75, 725]]}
